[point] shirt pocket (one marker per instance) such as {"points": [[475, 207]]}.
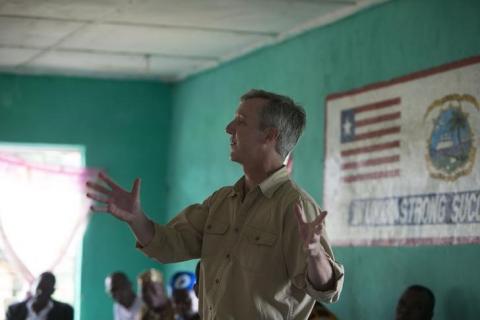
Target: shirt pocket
{"points": [[258, 251], [213, 238]]}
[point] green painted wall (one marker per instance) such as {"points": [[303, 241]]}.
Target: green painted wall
{"points": [[124, 126], [381, 43]]}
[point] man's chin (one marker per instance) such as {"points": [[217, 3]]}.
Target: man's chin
{"points": [[234, 158], [41, 299]]}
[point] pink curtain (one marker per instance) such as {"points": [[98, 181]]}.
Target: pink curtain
{"points": [[42, 208]]}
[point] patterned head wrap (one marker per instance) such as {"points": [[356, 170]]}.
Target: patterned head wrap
{"points": [[150, 275]]}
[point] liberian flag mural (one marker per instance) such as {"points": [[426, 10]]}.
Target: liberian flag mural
{"points": [[370, 136], [401, 159]]}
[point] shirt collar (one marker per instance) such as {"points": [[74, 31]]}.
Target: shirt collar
{"points": [[42, 312], [237, 188], [272, 183], [267, 186]]}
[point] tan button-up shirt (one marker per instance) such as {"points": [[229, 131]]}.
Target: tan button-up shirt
{"points": [[253, 262]]}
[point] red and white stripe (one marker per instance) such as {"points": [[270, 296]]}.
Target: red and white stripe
{"points": [[374, 153]]}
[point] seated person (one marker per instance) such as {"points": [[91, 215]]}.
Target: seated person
{"points": [[41, 305], [184, 300], [416, 303], [156, 306], [127, 305], [320, 312]]}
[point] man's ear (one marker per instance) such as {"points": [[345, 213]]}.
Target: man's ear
{"points": [[271, 134]]}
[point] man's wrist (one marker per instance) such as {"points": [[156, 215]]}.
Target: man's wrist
{"points": [[138, 219], [143, 228], [316, 252], [320, 273]]}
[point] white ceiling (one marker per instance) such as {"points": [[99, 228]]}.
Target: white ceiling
{"points": [[157, 39]]}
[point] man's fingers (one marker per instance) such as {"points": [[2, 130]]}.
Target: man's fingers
{"points": [[96, 197], [99, 188], [299, 217], [136, 186], [298, 209], [320, 217], [102, 208], [111, 208], [317, 230], [320, 212], [302, 225], [103, 176]]}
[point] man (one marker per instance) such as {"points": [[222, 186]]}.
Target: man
{"points": [[262, 241], [41, 306], [127, 305], [183, 296], [416, 303], [156, 306]]}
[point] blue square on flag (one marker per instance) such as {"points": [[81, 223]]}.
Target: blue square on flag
{"points": [[348, 125]]}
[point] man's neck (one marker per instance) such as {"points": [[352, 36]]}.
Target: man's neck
{"points": [[39, 305], [254, 175], [130, 301]]}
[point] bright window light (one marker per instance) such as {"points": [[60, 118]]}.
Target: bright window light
{"points": [[42, 217]]}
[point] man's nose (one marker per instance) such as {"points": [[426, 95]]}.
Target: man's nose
{"points": [[229, 128]]}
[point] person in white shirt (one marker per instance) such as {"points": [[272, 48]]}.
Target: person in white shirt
{"points": [[127, 304]]}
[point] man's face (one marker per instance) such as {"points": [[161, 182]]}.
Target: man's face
{"points": [[119, 290], [153, 294], [413, 305], [182, 302], [44, 288], [247, 140]]}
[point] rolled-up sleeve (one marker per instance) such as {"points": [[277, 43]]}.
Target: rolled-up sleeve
{"points": [[332, 295]]}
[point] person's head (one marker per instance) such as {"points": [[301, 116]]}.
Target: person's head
{"points": [[44, 287], [416, 303], [151, 288], [263, 121], [182, 284], [120, 289]]}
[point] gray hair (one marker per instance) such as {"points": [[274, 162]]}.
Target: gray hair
{"points": [[282, 113]]}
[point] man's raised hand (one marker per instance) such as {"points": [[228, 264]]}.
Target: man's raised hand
{"points": [[310, 232], [123, 204]]}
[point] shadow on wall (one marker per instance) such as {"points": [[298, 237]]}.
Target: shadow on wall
{"points": [[458, 306]]}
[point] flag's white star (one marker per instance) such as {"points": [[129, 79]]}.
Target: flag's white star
{"points": [[347, 127]]}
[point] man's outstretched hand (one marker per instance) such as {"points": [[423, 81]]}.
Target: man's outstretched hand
{"points": [[123, 204], [310, 232], [320, 272]]}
